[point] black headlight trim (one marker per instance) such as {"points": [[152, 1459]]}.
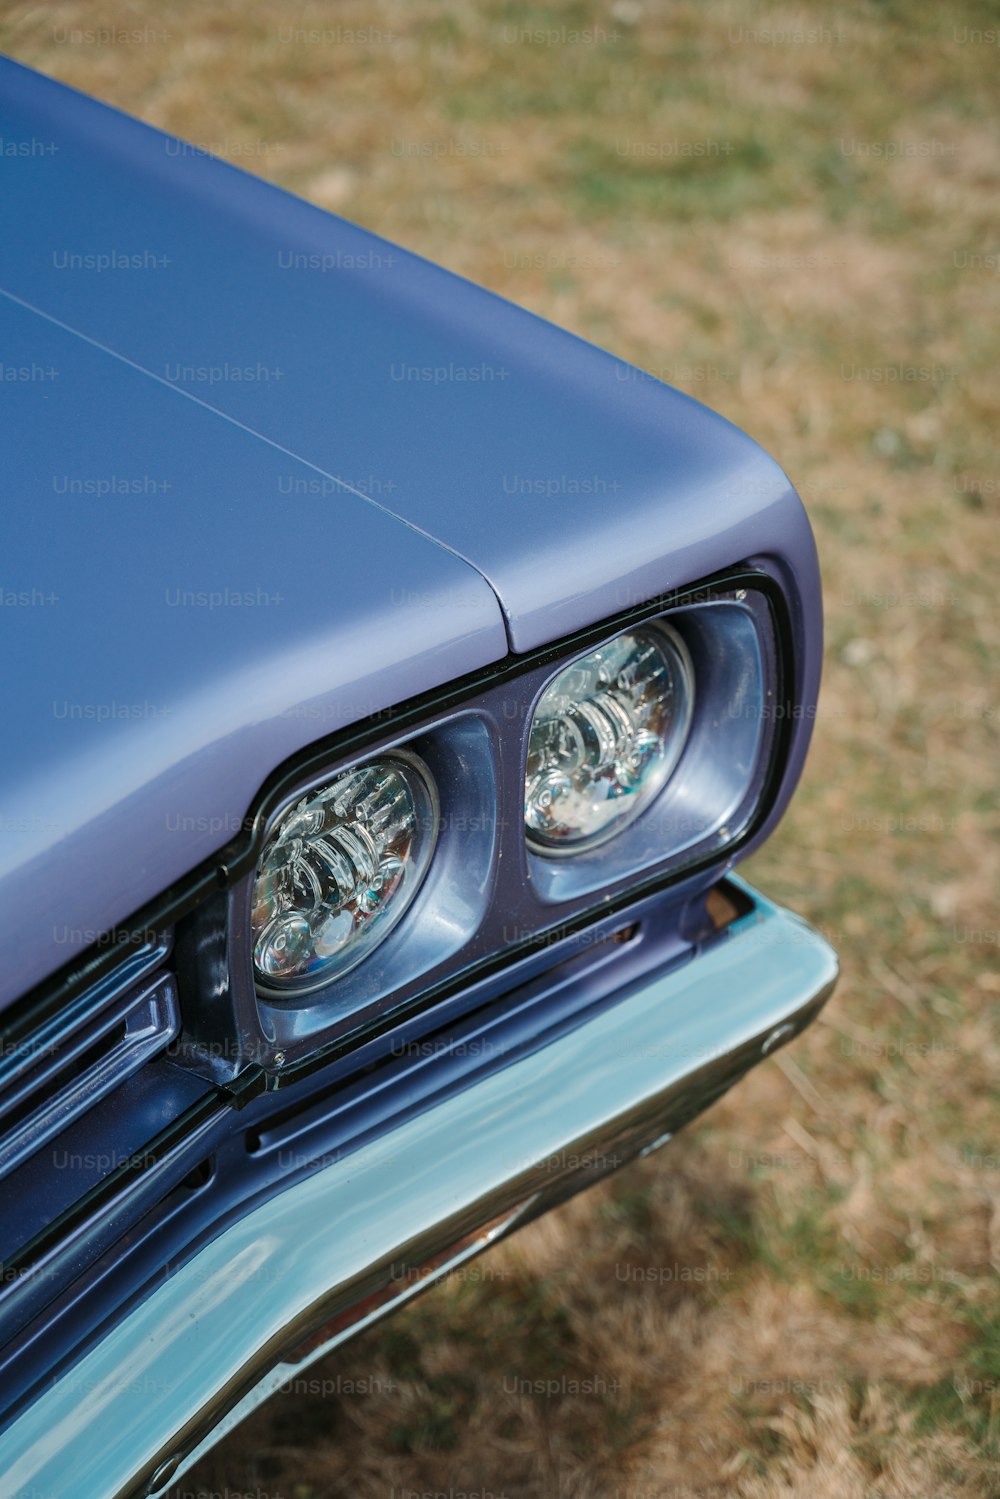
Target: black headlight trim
{"points": [[239, 857]]}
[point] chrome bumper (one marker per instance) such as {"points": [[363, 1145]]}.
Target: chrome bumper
{"points": [[213, 1340]]}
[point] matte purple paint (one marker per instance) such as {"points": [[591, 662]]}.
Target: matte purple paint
{"points": [[571, 482]]}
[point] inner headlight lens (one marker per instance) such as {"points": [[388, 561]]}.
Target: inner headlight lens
{"points": [[339, 870], [605, 736]]}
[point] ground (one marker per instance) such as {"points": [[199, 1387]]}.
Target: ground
{"points": [[791, 213]]}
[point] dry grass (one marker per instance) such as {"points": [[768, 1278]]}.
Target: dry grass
{"points": [[824, 1317]]}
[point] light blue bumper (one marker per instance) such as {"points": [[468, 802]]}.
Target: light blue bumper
{"points": [[212, 1340]]}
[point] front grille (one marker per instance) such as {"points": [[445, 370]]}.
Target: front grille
{"points": [[66, 1065]]}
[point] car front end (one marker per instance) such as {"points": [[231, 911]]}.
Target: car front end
{"points": [[385, 748]]}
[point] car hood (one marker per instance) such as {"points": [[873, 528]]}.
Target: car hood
{"points": [[571, 480], [423, 471], [183, 607]]}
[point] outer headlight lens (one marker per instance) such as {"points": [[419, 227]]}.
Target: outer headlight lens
{"points": [[605, 736], [339, 870]]}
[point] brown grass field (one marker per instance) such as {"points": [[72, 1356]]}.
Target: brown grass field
{"points": [[793, 214]]}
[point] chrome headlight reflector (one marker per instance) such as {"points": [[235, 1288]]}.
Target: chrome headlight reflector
{"points": [[605, 736], [338, 870]]}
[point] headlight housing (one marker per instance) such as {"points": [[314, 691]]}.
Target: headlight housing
{"points": [[605, 735], [338, 871], [707, 673]]}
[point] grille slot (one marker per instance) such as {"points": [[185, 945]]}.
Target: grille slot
{"points": [[53, 1075]]}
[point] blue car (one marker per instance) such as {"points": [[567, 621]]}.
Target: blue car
{"points": [[393, 683]]}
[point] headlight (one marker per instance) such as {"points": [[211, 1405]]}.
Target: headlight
{"points": [[605, 736], [339, 870]]}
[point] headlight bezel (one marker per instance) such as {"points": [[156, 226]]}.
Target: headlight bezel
{"points": [[454, 891], [511, 905], [710, 797]]}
